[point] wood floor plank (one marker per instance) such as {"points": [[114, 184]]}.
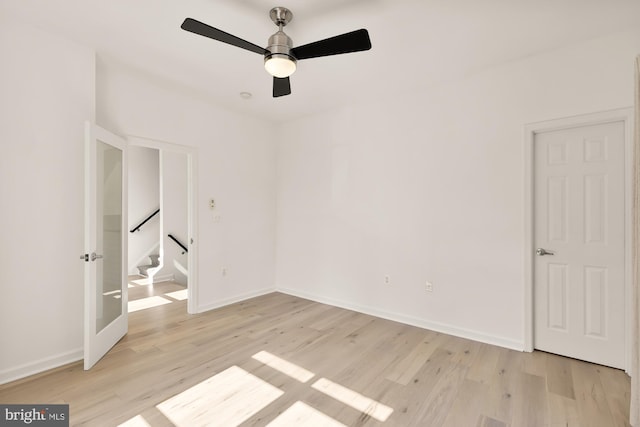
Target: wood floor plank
{"points": [[562, 411], [593, 408], [441, 398], [485, 370], [485, 421], [408, 408], [559, 376], [503, 385], [469, 404], [617, 386], [424, 378], [530, 401], [405, 369], [464, 351], [535, 363]]}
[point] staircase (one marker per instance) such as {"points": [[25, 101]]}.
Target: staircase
{"points": [[146, 270]]}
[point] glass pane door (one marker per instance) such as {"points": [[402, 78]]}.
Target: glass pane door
{"points": [[109, 238], [106, 317]]}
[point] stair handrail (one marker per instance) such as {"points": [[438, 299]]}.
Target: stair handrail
{"points": [[184, 248], [134, 229]]}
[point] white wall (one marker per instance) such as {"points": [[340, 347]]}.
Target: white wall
{"points": [[47, 91], [174, 211], [144, 199], [236, 167], [429, 186]]}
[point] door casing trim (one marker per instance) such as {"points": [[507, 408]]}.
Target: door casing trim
{"points": [[624, 115]]}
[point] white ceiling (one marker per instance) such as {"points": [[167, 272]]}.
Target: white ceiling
{"points": [[415, 43]]}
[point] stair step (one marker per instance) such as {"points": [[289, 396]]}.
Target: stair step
{"points": [[144, 269], [155, 262]]}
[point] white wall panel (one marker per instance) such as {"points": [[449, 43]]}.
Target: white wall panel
{"points": [[595, 313], [557, 211], [557, 295], [595, 200]]}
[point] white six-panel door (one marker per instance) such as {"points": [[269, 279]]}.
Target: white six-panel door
{"points": [[579, 223]]}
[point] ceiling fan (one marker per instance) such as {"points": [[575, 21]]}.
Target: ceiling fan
{"points": [[280, 56]]}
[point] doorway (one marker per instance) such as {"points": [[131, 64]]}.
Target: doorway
{"points": [[167, 256], [577, 249]]}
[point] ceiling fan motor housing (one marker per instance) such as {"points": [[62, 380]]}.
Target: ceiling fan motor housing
{"points": [[280, 45]]}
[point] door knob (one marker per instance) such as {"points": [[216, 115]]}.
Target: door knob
{"points": [[94, 256], [542, 252]]}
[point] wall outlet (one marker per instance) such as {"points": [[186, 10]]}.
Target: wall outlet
{"points": [[428, 286], [387, 280]]}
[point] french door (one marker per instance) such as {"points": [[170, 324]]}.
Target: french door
{"points": [[105, 243]]}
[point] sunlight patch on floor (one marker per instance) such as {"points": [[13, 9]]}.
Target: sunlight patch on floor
{"points": [[234, 395], [357, 401], [287, 368], [137, 421], [180, 295], [225, 399], [145, 281], [141, 304], [301, 414]]}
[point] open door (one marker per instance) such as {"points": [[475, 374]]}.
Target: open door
{"points": [[105, 257]]}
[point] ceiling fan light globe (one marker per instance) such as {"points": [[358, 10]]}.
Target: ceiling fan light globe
{"points": [[280, 66]]}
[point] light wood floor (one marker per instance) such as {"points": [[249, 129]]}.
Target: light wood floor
{"points": [[324, 364]]}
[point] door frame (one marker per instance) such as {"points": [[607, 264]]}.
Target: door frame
{"points": [[624, 115], [192, 197]]}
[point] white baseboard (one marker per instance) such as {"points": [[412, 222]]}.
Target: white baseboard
{"points": [[410, 320], [234, 299], [38, 366], [163, 278]]}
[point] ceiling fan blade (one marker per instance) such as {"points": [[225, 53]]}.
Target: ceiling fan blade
{"points": [[205, 30], [281, 87], [354, 41]]}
